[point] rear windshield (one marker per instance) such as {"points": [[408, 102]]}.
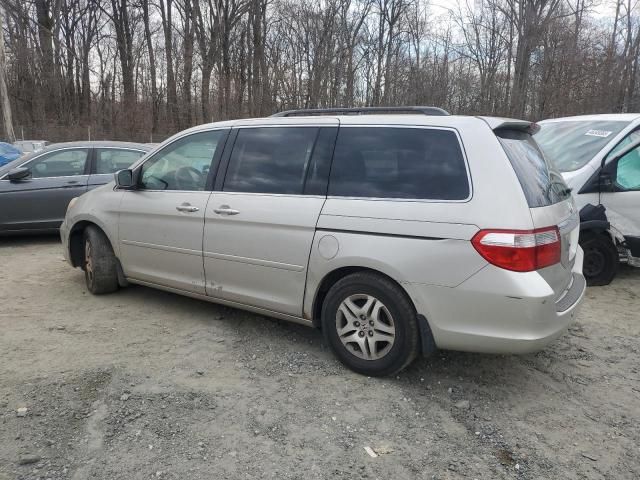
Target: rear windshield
{"points": [[541, 183], [571, 144]]}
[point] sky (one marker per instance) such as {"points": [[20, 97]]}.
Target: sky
{"points": [[601, 8]]}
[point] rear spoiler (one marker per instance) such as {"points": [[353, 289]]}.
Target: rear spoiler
{"points": [[498, 123]]}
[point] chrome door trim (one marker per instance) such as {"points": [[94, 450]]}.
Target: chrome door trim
{"points": [[255, 261], [165, 248]]}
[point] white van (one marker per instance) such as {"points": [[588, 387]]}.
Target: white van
{"points": [[599, 157]]}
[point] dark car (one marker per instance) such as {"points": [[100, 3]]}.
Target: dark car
{"points": [[36, 189], [8, 153]]}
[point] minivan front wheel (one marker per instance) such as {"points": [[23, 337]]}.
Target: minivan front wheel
{"points": [[100, 264], [370, 324], [601, 259]]}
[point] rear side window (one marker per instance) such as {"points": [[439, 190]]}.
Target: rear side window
{"points": [[542, 184], [270, 160], [385, 162], [110, 160]]}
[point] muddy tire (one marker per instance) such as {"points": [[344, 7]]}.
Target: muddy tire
{"points": [[601, 259], [370, 324], [99, 262]]}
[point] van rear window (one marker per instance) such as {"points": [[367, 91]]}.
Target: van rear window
{"points": [[541, 183], [390, 162]]}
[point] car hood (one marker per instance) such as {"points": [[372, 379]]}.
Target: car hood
{"points": [[576, 178]]}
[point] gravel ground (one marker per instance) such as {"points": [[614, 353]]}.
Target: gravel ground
{"points": [[144, 384]]}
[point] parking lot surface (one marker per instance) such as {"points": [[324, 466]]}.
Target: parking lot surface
{"points": [[144, 384]]}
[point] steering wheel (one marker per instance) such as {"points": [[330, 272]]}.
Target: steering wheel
{"points": [[188, 178]]}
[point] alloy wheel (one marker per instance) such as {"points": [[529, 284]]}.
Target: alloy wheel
{"points": [[365, 326]]}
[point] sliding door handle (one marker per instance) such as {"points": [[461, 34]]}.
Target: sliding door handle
{"points": [[225, 210]]}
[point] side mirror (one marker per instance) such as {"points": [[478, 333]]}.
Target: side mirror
{"points": [[18, 174], [606, 182], [124, 179]]}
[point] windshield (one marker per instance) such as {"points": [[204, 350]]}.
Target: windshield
{"points": [[571, 144]]}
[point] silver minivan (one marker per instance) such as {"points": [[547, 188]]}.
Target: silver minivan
{"points": [[396, 231]]}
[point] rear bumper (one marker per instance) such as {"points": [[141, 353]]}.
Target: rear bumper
{"points": [[498, 311]]}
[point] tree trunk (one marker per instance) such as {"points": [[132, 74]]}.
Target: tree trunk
{"points": [[155, 100], [205, 100], [172, 94], [45, 37], [4, 93], [187, 71]]}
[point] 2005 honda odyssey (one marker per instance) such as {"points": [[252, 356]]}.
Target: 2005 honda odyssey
{"points": [[394, 233]]}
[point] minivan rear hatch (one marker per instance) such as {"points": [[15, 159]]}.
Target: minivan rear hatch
{"points": [[549, 198]]}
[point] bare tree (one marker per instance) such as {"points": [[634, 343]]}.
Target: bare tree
{"points": [[153, 74], [132, 69], [4, 93]]}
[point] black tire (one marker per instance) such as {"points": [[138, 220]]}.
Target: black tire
{"points": [[405, 346], [99, 262], [601, 259]]}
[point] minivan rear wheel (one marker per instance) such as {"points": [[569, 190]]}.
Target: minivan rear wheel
{"points": [[370, 324], [99, 263], [601, 259]]}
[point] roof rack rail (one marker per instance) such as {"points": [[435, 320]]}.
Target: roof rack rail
{"points": [[361, 111]]}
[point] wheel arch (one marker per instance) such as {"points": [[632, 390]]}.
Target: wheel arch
{"points": [[427, 343], [327, 282], [76, 233], [597, 231]]}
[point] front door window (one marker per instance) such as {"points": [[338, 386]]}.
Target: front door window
{"points": [[628, 170], [182, 165], [63, 163]]}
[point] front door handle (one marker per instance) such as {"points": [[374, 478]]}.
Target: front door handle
{"points": [[226, 210], [187, 207]]}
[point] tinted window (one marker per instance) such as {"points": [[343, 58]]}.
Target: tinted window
{"points": [[571, 144], [63, 163], [270, 160], [110, 160], [398, 163], [628, 170], [183, 164], [318, 171], [542, 184]]}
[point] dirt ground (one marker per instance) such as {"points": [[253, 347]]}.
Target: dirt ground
{"points": [[143, 384]]}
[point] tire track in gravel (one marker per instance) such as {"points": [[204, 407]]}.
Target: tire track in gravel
{"points": [[95, 442]]}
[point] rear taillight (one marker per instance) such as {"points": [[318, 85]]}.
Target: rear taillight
{"points": [[519, 250]]}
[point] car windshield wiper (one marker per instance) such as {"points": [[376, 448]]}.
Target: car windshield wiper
{"points": [[565, 191]]}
